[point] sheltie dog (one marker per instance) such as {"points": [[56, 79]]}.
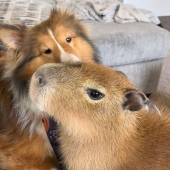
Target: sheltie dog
{"points": [[23, 140]]}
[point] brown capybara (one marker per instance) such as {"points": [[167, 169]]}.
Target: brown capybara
{"points": [[105, 122], [23, 140]]}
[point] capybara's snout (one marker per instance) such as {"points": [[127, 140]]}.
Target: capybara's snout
{"points": [[39, 80], [42, 78], [43, 75]]}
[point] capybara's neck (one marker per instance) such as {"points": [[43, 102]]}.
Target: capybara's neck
{"points": [[109, 144], [121, 145]]}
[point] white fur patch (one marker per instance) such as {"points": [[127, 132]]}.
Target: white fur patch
{"points": [[146, 108], [158, 111], [65, 57]]}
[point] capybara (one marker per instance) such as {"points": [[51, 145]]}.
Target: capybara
{"points": [[104, 121], [23, 140]]}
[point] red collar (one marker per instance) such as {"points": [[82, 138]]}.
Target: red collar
{"points": [[46, 122]]}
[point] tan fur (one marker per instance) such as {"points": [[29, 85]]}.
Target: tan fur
{"points": [[120, 131], [23, 140]]}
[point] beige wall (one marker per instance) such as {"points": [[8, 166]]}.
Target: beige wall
{"points": [[159, 7]]}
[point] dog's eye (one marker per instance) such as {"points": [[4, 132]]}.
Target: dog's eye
{"points": [[95, 94], [68, 39], [48, 51]]}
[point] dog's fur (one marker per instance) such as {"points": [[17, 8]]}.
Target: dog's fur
{"points": [[105, 122], [23, 141]]}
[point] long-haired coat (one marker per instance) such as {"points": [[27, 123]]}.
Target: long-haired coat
{"points": [[23, 141]]}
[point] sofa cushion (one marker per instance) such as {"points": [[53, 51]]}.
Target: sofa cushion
{"points": [[121, 44]]}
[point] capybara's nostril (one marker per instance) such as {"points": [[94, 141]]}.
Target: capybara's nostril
{"points": [[40, 81]]}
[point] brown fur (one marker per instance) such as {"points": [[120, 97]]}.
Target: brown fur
{"points": [[23, 140], [120, 130], [17, 150]]}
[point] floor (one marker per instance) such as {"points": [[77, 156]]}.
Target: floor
{"points": [[165, 21]]}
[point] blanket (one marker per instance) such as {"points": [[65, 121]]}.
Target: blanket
{"points": [[107, 11]]}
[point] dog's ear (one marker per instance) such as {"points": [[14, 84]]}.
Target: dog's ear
{"points": [[12, 35], [134, 100]]}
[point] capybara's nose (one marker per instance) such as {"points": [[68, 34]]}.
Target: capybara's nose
{"points": [[40, 80], [46, 74]]}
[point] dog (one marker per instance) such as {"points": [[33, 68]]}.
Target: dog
{"points": [[23, 140], [105, 122]]}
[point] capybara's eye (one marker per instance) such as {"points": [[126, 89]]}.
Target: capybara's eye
{"points": [[95, 94], [48, 51], [68, 39]]}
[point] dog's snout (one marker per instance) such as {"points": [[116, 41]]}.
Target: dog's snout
{"points": [[40, 80]]}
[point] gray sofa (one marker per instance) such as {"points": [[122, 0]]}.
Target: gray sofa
{"points": [[137, 49]]}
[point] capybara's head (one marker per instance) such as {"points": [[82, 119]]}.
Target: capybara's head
{"points": [[84, 92]]}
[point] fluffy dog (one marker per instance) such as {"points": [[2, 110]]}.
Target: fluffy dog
{"points": [[23, 140], [105, 122]]}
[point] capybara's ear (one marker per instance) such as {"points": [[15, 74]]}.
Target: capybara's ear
{"points": [[134, 100], [12, 35]]}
